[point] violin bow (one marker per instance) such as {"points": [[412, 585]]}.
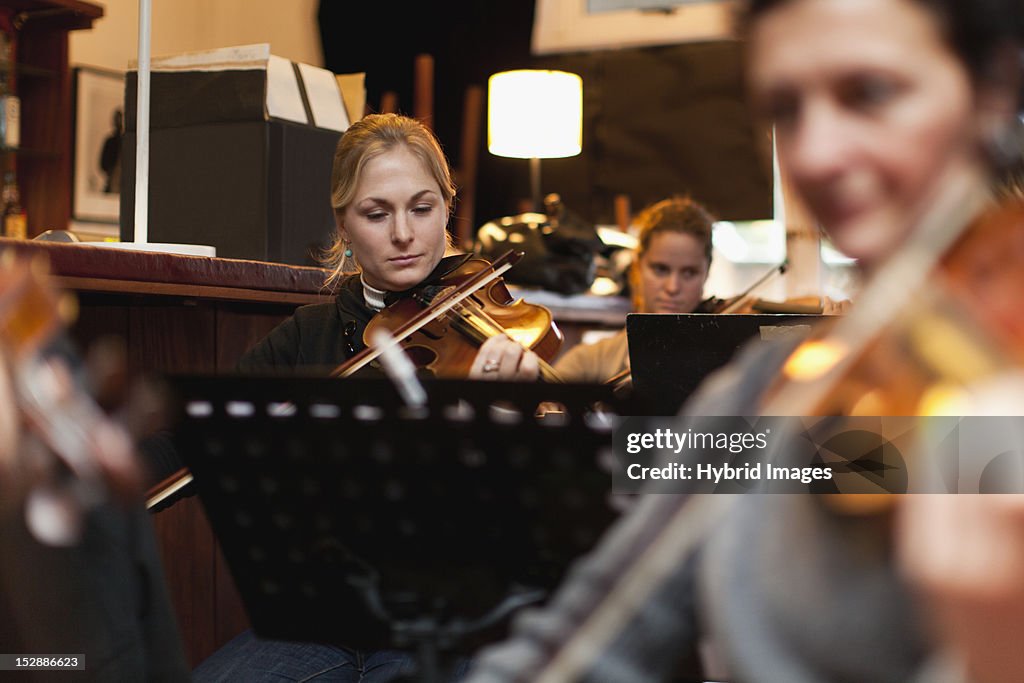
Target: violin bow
{"points": [[771, 274]]}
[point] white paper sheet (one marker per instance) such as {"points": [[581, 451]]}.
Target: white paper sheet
{"points": [[324, 98], [284, 101]]}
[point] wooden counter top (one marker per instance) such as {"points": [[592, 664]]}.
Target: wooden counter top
{"points": [[84, 267], [89, 268]]}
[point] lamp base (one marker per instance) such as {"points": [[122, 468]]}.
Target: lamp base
{"points": [[538, 206]]}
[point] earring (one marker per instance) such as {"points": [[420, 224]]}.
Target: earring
{"points": [[348, 253]]}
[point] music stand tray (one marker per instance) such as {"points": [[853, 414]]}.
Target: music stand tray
{"points": [[347, 518]]}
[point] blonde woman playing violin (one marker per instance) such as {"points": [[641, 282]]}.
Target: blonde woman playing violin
{"points": [[392, 194]]}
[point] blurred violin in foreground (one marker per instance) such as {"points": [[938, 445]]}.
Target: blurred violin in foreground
{"points": [[958, 327], [61, 455]]}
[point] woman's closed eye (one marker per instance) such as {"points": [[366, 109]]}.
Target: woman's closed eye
{"points": [[423, 209]]}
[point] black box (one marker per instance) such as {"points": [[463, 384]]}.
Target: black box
{"points": [[223, 173]]}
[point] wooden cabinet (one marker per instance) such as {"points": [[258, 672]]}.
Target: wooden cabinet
{"points": [[43, 82]]}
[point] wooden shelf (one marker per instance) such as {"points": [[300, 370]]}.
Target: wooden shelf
{"points": [[44, 86], [54, 15]]}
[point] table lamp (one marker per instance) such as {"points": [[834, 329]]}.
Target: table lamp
{"points": [[534, 114]]}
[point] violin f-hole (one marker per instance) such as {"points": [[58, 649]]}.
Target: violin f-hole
{"points": [[421, 356]]}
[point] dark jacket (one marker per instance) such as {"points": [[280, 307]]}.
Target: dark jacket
{"points": [[316, 335]]}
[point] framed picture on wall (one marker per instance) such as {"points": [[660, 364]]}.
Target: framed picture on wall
{"points": [[575, 26], [99, 126]]}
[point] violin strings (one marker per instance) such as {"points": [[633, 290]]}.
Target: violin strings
{"points": [[473, 324], [449, 301]]}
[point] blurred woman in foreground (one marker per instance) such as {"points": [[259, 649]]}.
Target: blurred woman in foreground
{"points": [[883, 110]]}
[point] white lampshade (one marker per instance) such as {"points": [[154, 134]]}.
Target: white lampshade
{"points": [[534, 114]]}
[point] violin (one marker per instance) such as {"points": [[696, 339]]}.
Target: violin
{"points": [[441, 326], [87, 459], [961, 327], [744, 303]]}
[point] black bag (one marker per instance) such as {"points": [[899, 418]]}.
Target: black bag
{"points": [[560, 248]]}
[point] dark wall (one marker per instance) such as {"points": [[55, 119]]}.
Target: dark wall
{"points": [[661, 121], [657, 121]]}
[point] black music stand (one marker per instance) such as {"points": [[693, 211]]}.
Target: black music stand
{"points": [[671, 354], [347, 518]]}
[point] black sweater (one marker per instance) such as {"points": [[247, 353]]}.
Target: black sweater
{"points": [[316, 335]]}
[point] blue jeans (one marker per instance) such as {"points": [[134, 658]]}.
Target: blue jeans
{"points": [[251, 659]]}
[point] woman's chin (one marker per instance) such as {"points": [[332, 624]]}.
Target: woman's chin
{"points": [[870, 241], [395, 282], [402, 284]]}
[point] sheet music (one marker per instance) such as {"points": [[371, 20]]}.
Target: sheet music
{"points": [[324, 98], [284, 101]]}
